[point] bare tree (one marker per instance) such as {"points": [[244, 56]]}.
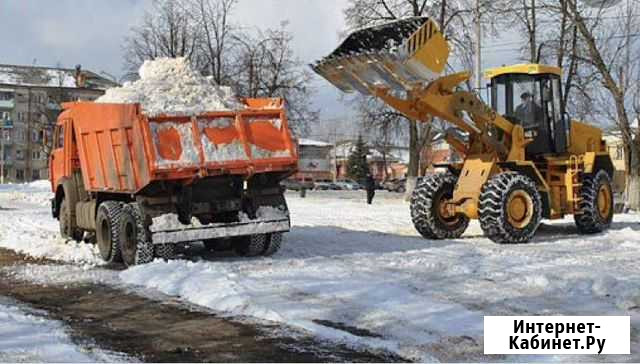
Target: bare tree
{"points": [[167, 30], [212, 17], [267, 67], [608, 53]]}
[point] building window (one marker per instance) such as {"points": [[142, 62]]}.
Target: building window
{"points": [[19, 174], [6, 96], [19, 155], [35, 174]]}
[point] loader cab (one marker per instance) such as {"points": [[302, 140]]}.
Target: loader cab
{"points": [[530, 95]]}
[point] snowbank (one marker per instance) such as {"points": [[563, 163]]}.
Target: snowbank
{"points": [[26, 226], [171, 86], [36, 192], [27, 337]]}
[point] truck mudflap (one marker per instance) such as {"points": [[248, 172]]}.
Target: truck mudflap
{"points": [[225, 230]]}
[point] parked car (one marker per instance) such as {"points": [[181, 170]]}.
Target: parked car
{"points": [[396, 185], [325, 185], [348, 184], [297, 185]]}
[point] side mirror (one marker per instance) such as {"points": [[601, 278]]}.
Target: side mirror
{"points": [[46, 143]]}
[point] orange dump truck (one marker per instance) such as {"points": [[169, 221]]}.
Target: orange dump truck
{"points": [[137, 185]]}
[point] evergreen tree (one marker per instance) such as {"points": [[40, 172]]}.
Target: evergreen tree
{"points": [[357, 167]]}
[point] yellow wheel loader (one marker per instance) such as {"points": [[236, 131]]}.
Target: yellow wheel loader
{"points": [[524, 159]]}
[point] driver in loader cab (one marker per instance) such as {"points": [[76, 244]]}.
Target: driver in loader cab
{"points": [[528, 112]]}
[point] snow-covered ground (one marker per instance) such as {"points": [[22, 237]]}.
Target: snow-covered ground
{"points": [[361, 275], [26, 336], [26, 226]]}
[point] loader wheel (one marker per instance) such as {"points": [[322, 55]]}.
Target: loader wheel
{"points": [[596, 204], [275, 242], [164, 251], [64, 218], [250, 246], [427, 212], [510, 208], [108, 222], [135, 239]]}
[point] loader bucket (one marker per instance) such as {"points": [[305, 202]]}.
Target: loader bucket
{"points": [[397, 55]]}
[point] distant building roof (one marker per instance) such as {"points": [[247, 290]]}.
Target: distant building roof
{"points": [[314, 143], [36, 76]]}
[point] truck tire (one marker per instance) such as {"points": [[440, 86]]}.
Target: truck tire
{"points": [[135, 239], [510, 208], [250, 246], [64, 218], [275, 242], [164, 251], [596, 204], [426, 213], [108, 221]]}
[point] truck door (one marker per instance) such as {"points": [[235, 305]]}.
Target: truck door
{"points": [[56, 159]]}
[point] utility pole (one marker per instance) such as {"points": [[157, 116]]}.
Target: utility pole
{"points": [[478, 48]]}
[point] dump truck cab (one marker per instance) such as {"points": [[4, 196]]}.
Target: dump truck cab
{"points": [[530, 95]]}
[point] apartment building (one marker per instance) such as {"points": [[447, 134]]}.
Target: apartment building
{"points": [[30, 101]]}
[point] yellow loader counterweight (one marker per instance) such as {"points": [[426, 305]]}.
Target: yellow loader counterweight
{"points": [[523, 159]]}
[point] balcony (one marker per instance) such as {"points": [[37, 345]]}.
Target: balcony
{"points": [[7, 104], [7, 163]]}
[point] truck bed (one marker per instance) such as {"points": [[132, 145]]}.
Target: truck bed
{"points": [[123, 150]]}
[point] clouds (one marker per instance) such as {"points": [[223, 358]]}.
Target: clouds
{"points": [[91, 33], [67, 32]]}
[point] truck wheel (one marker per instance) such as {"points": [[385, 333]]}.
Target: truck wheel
{"points": [[108, 221], [427, 213], [596, 204], [275, 242], [164, 251], [250, 246], [510, 208], [64, 218], [135, 240]]}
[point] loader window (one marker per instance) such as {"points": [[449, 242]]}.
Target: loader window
{"points": [[529, 101]]}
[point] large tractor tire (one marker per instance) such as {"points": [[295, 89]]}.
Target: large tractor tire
{"points": [[135, 239], [64, 218], [596, 204], [427, 212], [510, 208], [108, 222], [251, 245]]}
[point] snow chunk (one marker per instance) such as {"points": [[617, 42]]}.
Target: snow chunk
{"points": [[171, 86], [29, 337]]}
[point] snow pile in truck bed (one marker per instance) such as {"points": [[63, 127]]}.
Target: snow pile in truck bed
{"points": [[171, 86]]}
